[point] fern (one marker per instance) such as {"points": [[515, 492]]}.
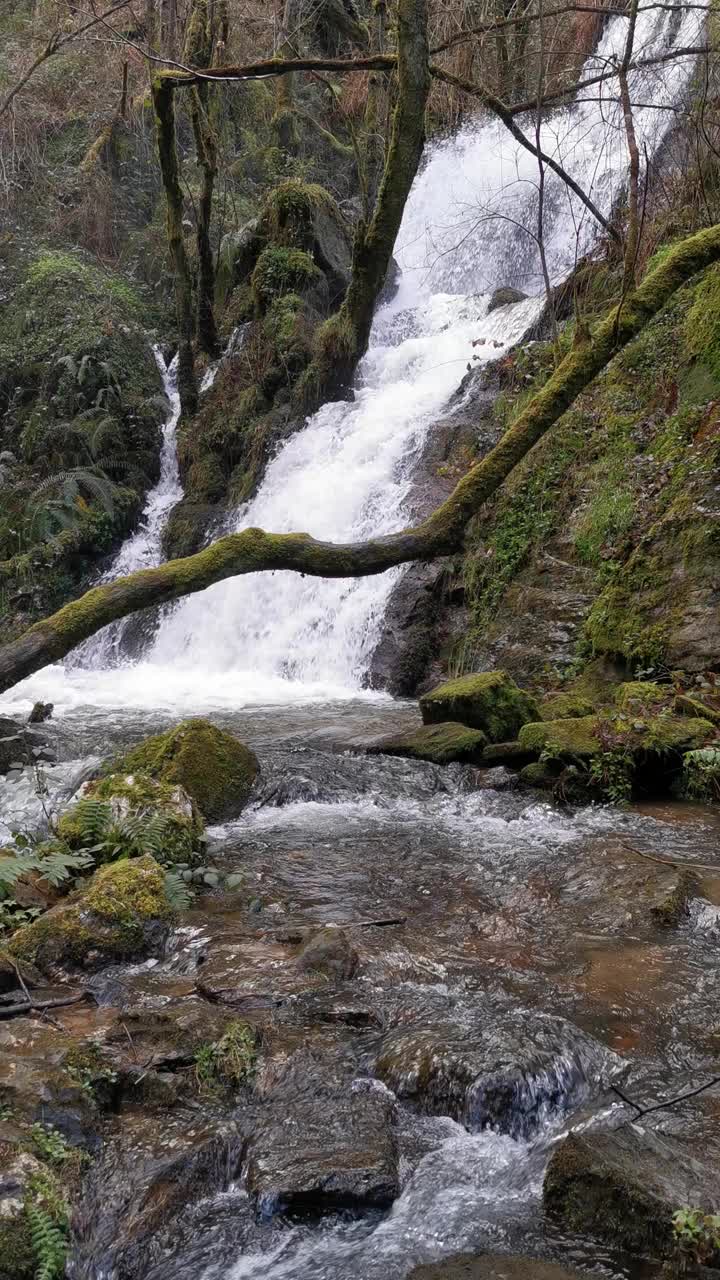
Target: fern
{"points": [[178, 893], [50, 861], [49, 1240]]}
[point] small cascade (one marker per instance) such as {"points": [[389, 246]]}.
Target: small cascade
{"points": [[143, 549]]}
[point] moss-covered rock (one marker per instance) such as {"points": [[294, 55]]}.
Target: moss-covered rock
{"points": [[562, 739], [672, 896], [118, 811], [641, 696], [123, 914], [278, 271], [687, 705], [439, 743], [624, 1186], [214, 768], [489, 701], [566, 706]]}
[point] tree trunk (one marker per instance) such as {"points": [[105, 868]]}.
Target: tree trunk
{"points": [[163, 102], [198, 52], [442, 533], [343, 340]]}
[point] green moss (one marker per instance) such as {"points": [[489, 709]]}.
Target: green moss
{"points": [[279, 271], [686, 705], [702, 326], [17, 1255], [566, 706], [562, 738], [290, 209], [113, 918], [439, 743], [640, 696], [135, 805], [213, 767], [672, 905], [489, 701]]}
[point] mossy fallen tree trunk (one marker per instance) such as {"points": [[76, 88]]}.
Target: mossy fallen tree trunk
{"points": [[253, 550]]}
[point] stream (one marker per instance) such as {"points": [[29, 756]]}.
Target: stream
{"points": [[509, 943]]}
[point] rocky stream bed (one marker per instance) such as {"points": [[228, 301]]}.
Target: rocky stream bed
{"points": [[420, 983]]}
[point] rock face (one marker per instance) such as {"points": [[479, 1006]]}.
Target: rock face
{"points": [[123, 914], [502, 1075], [215, 768], [326, 1153], [439, 743], [490, 701], [624, 1185]]}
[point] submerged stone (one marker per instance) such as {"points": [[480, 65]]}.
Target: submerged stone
{"points": [[490, 701], [503, 1075], [326, 1153], [329, 952], [439, 743], [214, 767], [624, 1186]]}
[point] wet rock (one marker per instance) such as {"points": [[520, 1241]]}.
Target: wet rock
{"points": [[438, 743], [255, 973], [331, 953], [504, 1074], [37, 1082], [505, 296], [540, 774], [493, 1266], [326, 1153], [215, 768], [41, 712], [507, 753], [623, 1186], [123, 914], [167, 1035], [23, 747], [490, 701], [672, 896], [497, 779]]}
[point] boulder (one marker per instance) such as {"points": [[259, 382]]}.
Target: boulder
{"points": [[329, 952], [505, 296], [566, 706], [322, 1153], [584, 737], [624, 1186], [439, 743], [493, 1266], [490, 701], [122, 914], [238, 253], [214, 768], [671, 897], [506, 753], [502, 1074]]}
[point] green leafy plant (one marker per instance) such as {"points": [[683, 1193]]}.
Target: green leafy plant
{"points": [[48, 1217], [611, 774], [46, 859], [697, 1235], [227, 1062], [51, 1145], [104, 837], [702, 773]]}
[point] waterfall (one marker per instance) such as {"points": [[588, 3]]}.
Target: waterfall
{"points": [[468, 228]]}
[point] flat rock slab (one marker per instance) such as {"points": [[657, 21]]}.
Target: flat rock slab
{"points": [[493, 1266], [503, 1074], [255, 973], [324, 1153], [624, 1185]]}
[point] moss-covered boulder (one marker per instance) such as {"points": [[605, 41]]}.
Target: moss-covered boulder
{"points": [[123, 914], [439, 743], [562, 739], [624, 1186], [642, 696], [213, 767], [490, 701], [123, 815], [566, 706]]}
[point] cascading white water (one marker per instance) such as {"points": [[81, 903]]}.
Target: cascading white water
{"points": [[468, 227]]}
